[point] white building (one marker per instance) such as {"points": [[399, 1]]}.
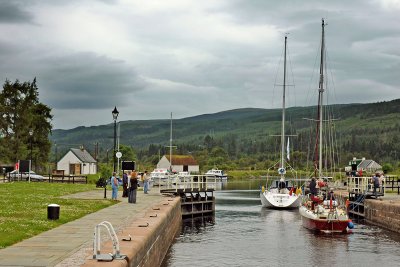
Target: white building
{"points": [[77, 162], [180, 163], [363, 165]]}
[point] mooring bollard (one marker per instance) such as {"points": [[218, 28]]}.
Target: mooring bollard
{"points": [[53, 212]]}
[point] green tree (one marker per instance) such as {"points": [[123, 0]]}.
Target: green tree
{"points": [[387, 167], [21, 112], [208, 142], [128, 154]]}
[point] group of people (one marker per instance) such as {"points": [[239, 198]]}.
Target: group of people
{"points": [[315, 186], [130, 184]]}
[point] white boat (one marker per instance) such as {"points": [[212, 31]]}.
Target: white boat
{"points": [[183, 176], [217, 173], [280, 193], [162, 177], [317, 214]]}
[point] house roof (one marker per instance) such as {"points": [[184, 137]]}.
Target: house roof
{"points": [[368, 163], [182, 160], [364, 164], [83, 155]]}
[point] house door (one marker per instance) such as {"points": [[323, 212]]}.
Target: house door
{"points": [[185, 168], [75, 169]]}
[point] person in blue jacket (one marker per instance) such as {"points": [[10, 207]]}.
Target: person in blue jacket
{"points": [[114, 186]]}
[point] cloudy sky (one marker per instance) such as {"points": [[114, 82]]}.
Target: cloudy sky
{"points": [[191, 57]]}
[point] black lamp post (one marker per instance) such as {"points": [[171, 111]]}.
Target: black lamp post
{"points": [[56, 156], [115, 116], [30, 157]]}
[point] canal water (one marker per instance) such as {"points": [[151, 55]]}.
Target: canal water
{"points": [[242, 233]]}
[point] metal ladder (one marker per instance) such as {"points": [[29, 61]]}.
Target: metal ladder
{"points": [[358, 202], [97, 241]]}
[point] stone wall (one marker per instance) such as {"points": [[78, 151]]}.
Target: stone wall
{"points": [[385, 214], [149, 244]]}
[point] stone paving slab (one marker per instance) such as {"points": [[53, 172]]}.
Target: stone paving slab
{"points": [[70, 243]]}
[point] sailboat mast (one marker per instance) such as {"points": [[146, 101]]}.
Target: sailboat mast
{"points": [[318, 148], [170, 146], [283, 111]]}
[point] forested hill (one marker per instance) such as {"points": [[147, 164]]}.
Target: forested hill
{"points": [[369, 130]]}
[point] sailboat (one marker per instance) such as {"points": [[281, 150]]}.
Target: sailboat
{"points": [[173, 178], [316, 213], [165, 176], [281, 194]]}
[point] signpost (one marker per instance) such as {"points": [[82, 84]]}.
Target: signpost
{"points": [[118, 155]]}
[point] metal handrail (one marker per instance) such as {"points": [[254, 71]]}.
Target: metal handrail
{"points": [[192, 182], [97, 243]]}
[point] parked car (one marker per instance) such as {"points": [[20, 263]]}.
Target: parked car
{"points": [[15, 175]]}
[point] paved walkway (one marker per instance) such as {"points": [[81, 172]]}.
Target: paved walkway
{"points": [[70, 243]]}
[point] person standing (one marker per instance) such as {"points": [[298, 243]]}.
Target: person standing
{"points": [[145, 182], [114, 186], [381, 181], [313, 192], [133, 187], [125, 185], [313, 187], [375, 180]]}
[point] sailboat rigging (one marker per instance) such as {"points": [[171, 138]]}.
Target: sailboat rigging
{"points": [[316, 213], [170, 146], [165, 176], [281, 194]]}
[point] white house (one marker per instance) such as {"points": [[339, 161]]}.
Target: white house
{"points": [[363, 165], [76, 162], [180, 163]]}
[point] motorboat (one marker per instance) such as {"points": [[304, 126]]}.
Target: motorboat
{"points": [[183, 176], [162, 177], [217, 174]]}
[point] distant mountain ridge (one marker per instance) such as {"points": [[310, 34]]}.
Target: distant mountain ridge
{"points": [[244, 124]]}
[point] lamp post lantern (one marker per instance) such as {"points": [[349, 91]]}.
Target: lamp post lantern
{"points": [[115, 116]]}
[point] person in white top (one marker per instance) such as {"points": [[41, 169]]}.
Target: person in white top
{"points": [[145, 182]]}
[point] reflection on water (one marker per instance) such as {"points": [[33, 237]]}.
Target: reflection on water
{"points": [[242, 233]]}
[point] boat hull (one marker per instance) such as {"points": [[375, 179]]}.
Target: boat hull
{"points": [[217, 178], [329, 225], [163, 181], [279, 201]]}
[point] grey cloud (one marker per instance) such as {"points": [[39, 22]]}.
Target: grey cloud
{"points": [[172, 58], [13, 12], [85, 80]]}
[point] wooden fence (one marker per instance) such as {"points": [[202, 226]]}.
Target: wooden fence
{"points": [[75, 179]]}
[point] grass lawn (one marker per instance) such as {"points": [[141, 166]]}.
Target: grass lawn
{"points": [[23, 208]]}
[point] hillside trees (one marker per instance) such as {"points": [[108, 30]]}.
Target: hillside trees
{"points": [[361, 131], [21, 112]]}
